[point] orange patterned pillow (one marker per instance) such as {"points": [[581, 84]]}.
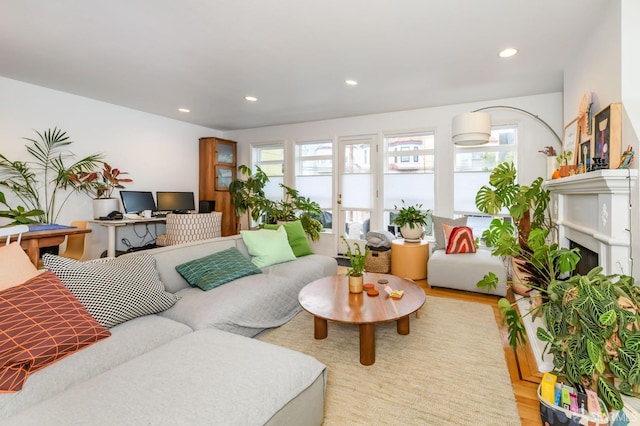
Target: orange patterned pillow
{"points": [[40, 323], [459, 239]]}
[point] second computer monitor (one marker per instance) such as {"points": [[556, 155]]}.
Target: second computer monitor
{"points": [[177, 202]]}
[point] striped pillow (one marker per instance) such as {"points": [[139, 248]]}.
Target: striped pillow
{"points": [[459, 239]]}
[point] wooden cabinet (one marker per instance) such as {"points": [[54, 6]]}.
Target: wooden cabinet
{"points": [[218, 158]]}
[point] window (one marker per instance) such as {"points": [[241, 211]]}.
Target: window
{"points": [[270, 158], [409, 171], [474, 164], [314, 175]]}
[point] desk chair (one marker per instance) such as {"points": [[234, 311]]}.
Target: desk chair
{"points": [[75, 243], [13, 230], [184, 228]]}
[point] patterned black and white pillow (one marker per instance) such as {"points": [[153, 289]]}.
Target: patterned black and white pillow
{"points": [[114, 290]]}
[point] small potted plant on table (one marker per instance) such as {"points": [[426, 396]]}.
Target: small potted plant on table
{"points": [[411, 220], [356, 271]]}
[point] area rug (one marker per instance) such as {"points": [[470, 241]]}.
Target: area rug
{"points": [[450, 370]]}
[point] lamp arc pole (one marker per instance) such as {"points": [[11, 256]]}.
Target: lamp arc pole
{"points": [[540, 120]]}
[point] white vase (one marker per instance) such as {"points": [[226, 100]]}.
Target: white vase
{"points": [[409, 233], [103, 206]]}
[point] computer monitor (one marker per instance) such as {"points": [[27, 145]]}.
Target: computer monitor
{"points": [[177, 202], [137, 201]]}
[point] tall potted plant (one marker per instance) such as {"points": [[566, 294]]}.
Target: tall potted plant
{"points": [[592, 327], [411, 220], [99, 185], [356, 271], [248, 196], [37, 183]]}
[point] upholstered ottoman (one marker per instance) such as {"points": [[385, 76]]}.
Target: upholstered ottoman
{"points": [[463, 271]]}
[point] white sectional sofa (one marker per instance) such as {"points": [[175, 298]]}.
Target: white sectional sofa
{"points": [[193, 363]]}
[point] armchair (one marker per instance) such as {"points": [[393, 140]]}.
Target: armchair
{"points": [[183, 228]]}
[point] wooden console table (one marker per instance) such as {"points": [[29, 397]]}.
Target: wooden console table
{"points": [[32, 241]]}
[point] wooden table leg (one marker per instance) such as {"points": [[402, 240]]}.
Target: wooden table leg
{"points": [[403, 325], [33, 251], [367, 344], [319, 328]]}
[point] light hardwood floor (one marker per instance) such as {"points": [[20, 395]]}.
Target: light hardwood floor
{"points": [[522, 367]]}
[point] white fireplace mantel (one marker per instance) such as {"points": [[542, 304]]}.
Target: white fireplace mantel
{"points": [[593, 209]]}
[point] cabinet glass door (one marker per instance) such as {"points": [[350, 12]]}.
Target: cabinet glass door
{"points": [[225, 153], [224, 176]]}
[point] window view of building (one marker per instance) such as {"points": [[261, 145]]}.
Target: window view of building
{"points": [[409, 172]]}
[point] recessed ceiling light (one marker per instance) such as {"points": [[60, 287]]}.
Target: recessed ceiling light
{"points": [[184, 110], [351, 82], [251, 98], [507, 53]]}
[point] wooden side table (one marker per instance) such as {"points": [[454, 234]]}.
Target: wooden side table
{"points": [[409, 260]]}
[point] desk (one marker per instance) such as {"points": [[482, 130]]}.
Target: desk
{"points": [[113, 224], [32, 241]]}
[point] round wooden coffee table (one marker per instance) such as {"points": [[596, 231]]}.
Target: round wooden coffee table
{"points": [[329, 299]]}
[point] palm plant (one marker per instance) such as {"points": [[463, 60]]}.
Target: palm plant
{"points": [[37, 183]]}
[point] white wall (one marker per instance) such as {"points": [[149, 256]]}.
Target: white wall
{"points": [[159, 153], [532, 137], [608, 63]]}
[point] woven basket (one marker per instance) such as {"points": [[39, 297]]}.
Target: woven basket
{"points": [[378, 262]]}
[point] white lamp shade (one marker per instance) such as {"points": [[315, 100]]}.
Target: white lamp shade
{"points": [[471, 128]]}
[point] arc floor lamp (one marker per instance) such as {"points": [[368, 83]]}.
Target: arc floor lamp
{"points": [[474, 128]]}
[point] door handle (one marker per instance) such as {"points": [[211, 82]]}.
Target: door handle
{"points": [[339, 199]]}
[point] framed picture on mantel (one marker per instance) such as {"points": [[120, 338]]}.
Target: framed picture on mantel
{"points": [[607, 133]]}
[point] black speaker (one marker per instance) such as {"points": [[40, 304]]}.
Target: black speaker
{"points": [[207, 206]]}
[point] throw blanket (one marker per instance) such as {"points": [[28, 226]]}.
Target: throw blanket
{"points": [[380, 239]]}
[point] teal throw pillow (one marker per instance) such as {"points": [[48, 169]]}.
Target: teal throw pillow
{"points": [[296, 236], [216, 269], [267, 246]]}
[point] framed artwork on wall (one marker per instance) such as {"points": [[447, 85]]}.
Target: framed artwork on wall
{"points": [[607, 136]]}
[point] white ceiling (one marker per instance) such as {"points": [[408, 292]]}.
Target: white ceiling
{"points": [[293, 55]]}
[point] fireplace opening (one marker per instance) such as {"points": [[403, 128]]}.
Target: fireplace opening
{"points": [[589, 259]]}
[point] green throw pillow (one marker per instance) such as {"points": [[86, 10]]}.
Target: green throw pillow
{"points": [[296, 236], [216, 269], [267, 246]]}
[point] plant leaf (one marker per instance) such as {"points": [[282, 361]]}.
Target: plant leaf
{"points": [[609, 394]]}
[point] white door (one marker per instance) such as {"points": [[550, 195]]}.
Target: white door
{"points": [[356, 163]]}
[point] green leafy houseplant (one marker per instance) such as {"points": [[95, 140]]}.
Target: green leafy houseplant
{"points": [[248, 195], [592, 331], [592, 321], [411, 216], [19, 215], [37, 183], [357, 259]]}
